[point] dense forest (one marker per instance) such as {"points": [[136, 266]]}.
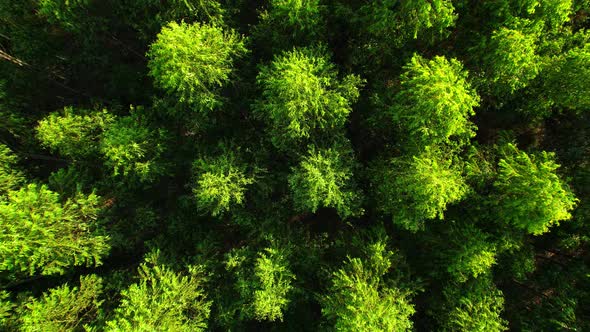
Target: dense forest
{"points": [[294, 165]]}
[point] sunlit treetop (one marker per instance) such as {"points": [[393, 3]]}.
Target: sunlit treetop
{"points": [[418, 188], [397, 22], [220, 183], [552, 12], [40, 234], [567, 83], [290, 22], [360, 298], [192, 61], [64, 308], [163, 300], [510, 58], [435, 102], [264, 281], [132, 149], [73, 133], [531, 196], [473, 306], [302, 96], [324, 178], [470, 251]]}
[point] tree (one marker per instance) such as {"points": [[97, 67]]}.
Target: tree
{"points": [[510, 58], [192, 61], [68, 13], [414, 189], [530, 195], [393, 23], [264, 282], [133, 149], [435, 102], [302, 97], [149, 16], [566, 81], [63, 308], [286, 23], [74, 133], [220, 183], [271, 295], [11, 122], [473, 306], [324, 178], [6, 308], [40, 234], [552, 13], [361, 299], [10, 176], [466, 251], [163, 300]]}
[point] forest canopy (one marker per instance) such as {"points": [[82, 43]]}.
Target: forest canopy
{"points": [[294, 165]]}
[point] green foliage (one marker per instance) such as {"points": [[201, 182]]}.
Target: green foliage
{"points": [[63, 308], [67, 13], [511, 59], [5, 309], [220, 183], [418, 188], [163, 300], [324, 178], [435, 101], [531, 196], [10, 177], [290, 21], [73, 133], [132, 149], [262, 165], [473, 306], [275, 278], [553, 13], [556, 13], [567, 83], [360, 298], [471, 252], [302, 13], [192, 61], [302, 96], [560, 294], [10, 121], [393, 22], [264, 283], [40, 234]]}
